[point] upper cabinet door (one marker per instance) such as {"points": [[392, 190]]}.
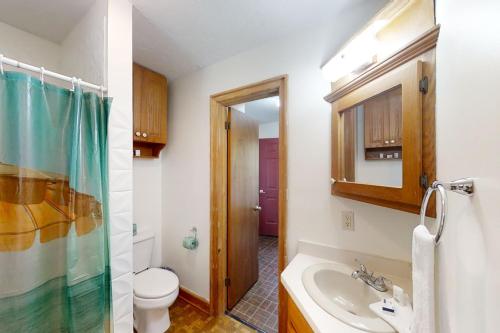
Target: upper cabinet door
{"points": [[154, 107], [150, 106], [137, 100], [380, 160]]}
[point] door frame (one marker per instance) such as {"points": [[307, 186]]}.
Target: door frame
{"points": [[219, 104]]}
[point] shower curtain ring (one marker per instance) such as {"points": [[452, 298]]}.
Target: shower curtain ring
{"points": [[73, 82], [1, 63], [42, 75], [79, 82], [102, 92]]}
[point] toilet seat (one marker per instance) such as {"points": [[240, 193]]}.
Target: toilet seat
{"points": [[155, 283]]}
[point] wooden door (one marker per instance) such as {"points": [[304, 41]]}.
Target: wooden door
{"points": [[243, 198], [269, 186]]}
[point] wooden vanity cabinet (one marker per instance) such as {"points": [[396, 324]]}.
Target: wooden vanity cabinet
{"points": [[150, 112], [296, 323]]}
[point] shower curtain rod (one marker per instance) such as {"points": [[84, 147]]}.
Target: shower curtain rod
{"points": [[43, 72]]}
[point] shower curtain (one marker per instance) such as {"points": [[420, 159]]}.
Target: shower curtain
{"points": [[54, 253]]}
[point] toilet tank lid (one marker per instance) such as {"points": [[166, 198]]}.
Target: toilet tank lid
{"points": [[142, 236]]}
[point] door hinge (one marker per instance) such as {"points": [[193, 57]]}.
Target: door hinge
{"points": [[227, 282], [424, 182], [227, 125], [423, 85]]}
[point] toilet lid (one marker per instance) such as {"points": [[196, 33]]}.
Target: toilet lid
{"points": [[155, 283]]}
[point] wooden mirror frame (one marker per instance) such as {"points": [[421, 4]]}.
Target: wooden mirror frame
{"points": [[405, 67]]}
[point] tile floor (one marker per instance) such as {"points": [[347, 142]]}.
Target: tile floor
{"points": [[186, 318], [259, 306]]}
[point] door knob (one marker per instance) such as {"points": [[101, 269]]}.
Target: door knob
{"points": [[137, 133], [144, 135], [257, 208], [262, 192]]}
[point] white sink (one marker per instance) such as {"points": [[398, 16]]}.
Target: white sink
{"points": [[335, 291]]}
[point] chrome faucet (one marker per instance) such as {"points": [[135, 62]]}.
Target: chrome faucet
{"points": [[378, 283]]}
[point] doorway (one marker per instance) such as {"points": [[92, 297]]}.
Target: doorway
{"points": [[240, 201], [252, 227]]}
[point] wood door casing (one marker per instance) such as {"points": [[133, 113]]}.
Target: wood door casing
{"points": [[348, 154], [268, 186], [243, 197]]}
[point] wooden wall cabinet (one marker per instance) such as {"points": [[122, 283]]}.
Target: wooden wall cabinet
{"points": [[150, 112], [383, 120], [396, 99]]}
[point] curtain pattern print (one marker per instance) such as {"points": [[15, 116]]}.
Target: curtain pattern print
{"points": [[54, 253]]}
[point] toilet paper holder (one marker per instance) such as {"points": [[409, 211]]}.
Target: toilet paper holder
{"points": [[191, 242]]}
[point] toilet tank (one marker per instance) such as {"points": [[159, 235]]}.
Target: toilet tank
{"points": [[143, 250]]}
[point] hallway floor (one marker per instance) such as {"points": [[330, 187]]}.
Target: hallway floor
{"points": [[259, 306]]}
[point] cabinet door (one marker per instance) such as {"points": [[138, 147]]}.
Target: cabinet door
{"points": [[295, 320], [137, 100], [153, 107], [374, 122], [394, 124]]}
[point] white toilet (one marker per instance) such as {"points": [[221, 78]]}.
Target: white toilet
{"points": [[155, 289]]}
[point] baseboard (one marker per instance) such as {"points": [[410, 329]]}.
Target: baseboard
{"points": [[195, 300]]}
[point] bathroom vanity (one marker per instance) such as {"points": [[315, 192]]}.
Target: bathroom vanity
{"points": [[324, 297]]}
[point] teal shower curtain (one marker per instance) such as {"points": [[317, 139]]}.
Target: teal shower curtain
{"points": [[54, 231]]}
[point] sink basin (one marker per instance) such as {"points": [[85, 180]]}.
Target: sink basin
{"points": [[335, 291]]}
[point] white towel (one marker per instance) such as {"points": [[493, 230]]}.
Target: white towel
{"points": [[423, 281]]}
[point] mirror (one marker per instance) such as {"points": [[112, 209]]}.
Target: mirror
{"points": [[371, 145]]}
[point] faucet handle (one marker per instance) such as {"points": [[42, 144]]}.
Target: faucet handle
{"points": [[383, 281], [363, 268]]}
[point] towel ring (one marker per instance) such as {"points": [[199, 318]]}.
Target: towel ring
{"points": [[463, 186], [436, 187]]}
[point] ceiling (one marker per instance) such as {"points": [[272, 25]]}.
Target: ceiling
{"points": [[264, 110], [176, 37], [53, 20]]}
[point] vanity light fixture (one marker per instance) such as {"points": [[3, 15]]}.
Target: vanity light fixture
{"points": [[357, 55], [361, 51]]}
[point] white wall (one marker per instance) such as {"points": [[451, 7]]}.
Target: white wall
{"points": [[468, 141], [269, 130], [83, 51], [313, 214], [148, 201], [25, 47]]}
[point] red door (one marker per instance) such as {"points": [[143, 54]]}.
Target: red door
{"points": [[269, 186]]}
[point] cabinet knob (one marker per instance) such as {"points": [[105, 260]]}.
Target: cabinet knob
{"points": [[137, 133], [386, 142], [144, 135], [392, 141]]}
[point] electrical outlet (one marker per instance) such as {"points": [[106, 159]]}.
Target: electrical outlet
{"points": [[348, 220]]}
